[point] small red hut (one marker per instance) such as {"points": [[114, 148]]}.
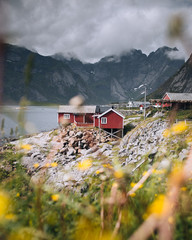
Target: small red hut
{"points": [[80, 116], [178, 100], [104, 118], [175, 100], [110, 121]]}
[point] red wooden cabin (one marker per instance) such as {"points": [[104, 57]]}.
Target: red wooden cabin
{"points": [[80, 116], [175, 100], [166, 97], [107, 119], [178, 100], [110, 121]]}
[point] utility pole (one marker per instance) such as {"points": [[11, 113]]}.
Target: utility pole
{"points": [[145, 92], [145, 102]]}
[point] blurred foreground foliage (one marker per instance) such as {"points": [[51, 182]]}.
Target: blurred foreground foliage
{"points": [[111, 204]]}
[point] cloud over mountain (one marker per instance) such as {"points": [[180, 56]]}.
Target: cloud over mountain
{"points": [[92, 29]]}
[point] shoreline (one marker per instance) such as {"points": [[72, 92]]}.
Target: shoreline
{"points": [[7, 140]]}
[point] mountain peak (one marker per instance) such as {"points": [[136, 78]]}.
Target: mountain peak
{"points": [[111, 79], [165, 50], [123, 55]]}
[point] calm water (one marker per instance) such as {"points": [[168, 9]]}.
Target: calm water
{"points": [[37, 119]]}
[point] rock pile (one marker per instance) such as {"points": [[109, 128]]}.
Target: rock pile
{"points": [[144, 139], [78, 141], [68, 147], [62, 146]]}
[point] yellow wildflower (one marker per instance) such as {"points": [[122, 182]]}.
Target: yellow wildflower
{"points": [[26, 147], [133, 184], [85, 164], [99, 171], [157, 206], [10, 217], [161, 171], [183, 189], [4, 204], [167, 133], [47, 165], [144, 173], [18, 195], [55, 197], [132, 194], [54, 164], [118, 173], [179, 127], [36, 165], [107, 166]]}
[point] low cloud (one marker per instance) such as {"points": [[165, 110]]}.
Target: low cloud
{"points": [[176, 55], [91, 30]]}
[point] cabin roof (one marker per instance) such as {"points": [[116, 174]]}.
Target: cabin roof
{"points": [[74, 109], [102, 109], [179, 96], [111, 109]]}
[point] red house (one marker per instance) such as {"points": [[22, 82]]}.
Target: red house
{"points": [[104, 118], [179, 100], [80, 116], [175, 100], [110, 121]]}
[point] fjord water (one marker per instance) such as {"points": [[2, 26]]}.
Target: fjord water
{"points": [[36, 119]]}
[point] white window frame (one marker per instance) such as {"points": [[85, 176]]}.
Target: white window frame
{"points": [[103, 120], [66, 116]]}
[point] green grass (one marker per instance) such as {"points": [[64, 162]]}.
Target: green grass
{"points": [[77, 212], [184, 114]]}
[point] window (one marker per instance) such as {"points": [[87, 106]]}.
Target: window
{"points": [[103, 120], [67, 116]]}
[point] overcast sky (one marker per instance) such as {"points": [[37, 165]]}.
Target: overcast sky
{"points": [[92, 29]]}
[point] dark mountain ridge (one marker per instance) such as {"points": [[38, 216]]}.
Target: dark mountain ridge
{"points": [[180, 82], [112, 79]]}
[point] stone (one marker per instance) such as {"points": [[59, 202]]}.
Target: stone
{"points": [[63, 150], [71, 142], [91, 150], [79, 135], [35, 155], [164, 164], [107, 153], [71, 151], [85, 146], [183, 154], [71, 133]]}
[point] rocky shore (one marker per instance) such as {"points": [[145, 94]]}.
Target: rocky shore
{"points": [[68, 147], [65, 147]]}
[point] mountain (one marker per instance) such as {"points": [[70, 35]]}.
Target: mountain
{"points": [[51, 80], [180, 82], [56, 79]]}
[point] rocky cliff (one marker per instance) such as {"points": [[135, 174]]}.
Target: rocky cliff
{"points": [[56, 80], [180, 82]]}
